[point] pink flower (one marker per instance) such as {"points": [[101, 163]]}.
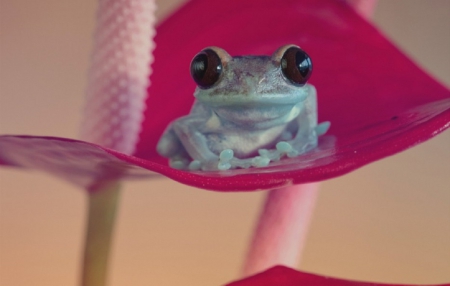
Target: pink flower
{"points": [[284, 276], [379, 101]]}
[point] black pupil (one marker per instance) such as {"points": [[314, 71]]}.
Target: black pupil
{"points": [[296, 66], [199, 65], [206, 68], [303, 63]]}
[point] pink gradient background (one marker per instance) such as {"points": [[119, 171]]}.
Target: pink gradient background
{"points": [[387, 222]]}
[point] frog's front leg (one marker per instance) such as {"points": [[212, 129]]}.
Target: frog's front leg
{"points": [[171, 147], [228, 161], [306, 130], [305, 136], [188, 130]]}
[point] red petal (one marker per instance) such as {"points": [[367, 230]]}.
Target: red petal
{"points": [[284, 276], [378, 101], [363, 81]]}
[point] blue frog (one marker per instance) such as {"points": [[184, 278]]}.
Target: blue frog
{"points": [[249, 111]]}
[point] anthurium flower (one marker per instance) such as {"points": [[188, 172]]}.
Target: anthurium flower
{"points": [[378, 101], [284, 276]]}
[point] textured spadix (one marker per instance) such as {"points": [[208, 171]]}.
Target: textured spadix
{"points": [[118, 77]]}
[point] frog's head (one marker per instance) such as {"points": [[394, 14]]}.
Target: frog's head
{"points": [[268, 85]]}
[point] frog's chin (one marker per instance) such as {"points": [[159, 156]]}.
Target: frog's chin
{"points": [[261, 115]]}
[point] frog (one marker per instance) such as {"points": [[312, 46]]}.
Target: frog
{"points": [[248, 111]]}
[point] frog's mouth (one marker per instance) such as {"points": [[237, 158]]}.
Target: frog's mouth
{"points": [[251, 101], [247, 115]]}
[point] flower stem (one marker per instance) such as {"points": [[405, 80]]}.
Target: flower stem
{"points": [[283, 224], [100, 224], [282, 228]]}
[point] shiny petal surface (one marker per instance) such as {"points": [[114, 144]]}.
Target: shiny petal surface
{"points": [[284, 276], [378, 101]]}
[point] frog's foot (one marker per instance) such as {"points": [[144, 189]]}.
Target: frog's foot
{"points": [[228, 161], [179, 162], [260, 161], [225, 158], [283, 148], [322, 128], [272, 154], [195, 165]]}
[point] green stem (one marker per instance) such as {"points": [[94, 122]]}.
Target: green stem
{"points": [[100, 224]]}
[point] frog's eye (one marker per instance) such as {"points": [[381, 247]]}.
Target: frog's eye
{"points": [[206, 68], [296, 65]]}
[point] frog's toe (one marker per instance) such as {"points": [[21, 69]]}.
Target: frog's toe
{"points": [[223, 166], [322, 128], [284, 147], [194, 165], [259, 161], [224, 159], [264, 152], [226, 155], [292, 153], [178, 164], [272, 155], [210, 164]]}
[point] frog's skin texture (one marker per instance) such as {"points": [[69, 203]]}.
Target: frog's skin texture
{"points": [[251, 116]]}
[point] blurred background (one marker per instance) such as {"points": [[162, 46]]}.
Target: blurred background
{"points": [[386, 222]]}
